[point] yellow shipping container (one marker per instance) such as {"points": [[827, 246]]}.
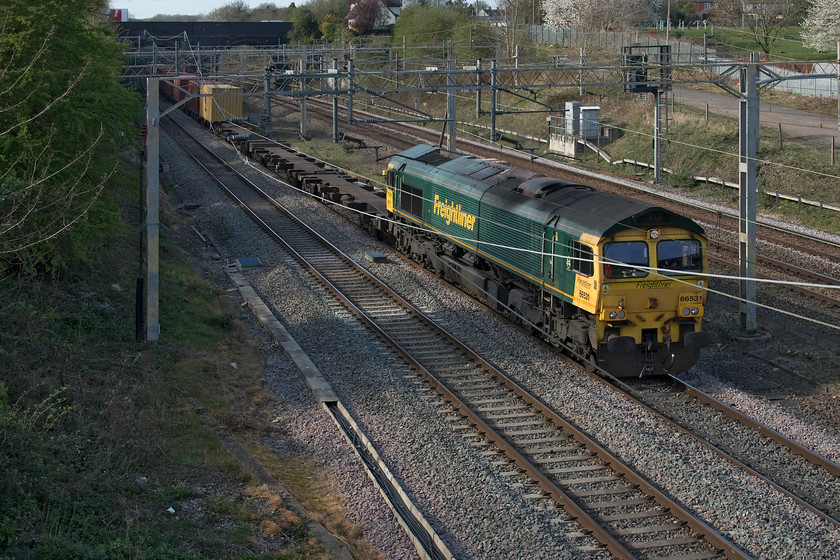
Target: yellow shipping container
{"points": [[225, 103]]}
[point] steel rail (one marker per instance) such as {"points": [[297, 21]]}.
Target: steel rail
{"points": [[616, 547], [810, 292], [809, 455], [414, 527]]}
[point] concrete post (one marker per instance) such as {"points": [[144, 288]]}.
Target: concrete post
{"points": [[748, 150], [152, 218]]}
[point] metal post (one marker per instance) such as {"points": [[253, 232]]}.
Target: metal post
{"points": [[748, 150], [580, 77], [269, 127], [335, 102], [350, 91], [152, 218], [303, 129], [657, 136], [516, 65], [450, 110], [493, 101], [478, 91]]}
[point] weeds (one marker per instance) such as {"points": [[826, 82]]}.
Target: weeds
{"points": [[96, 441]]}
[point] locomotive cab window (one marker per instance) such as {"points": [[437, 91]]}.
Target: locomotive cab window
{"points": [[619, 254], [582, 258], [411, 199], [679, 255]]}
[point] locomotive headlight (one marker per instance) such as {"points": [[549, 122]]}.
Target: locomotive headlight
{"points": [[613, 315], [695, 311], [686, 311], [621, 314]]}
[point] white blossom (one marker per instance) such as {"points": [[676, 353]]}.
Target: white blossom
{"points": [[602, 14], [822, 24]]}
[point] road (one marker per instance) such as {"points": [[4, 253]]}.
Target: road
{"points": [[801, 125]]}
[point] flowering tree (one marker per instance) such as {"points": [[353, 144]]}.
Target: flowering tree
{"points": [[605, 14], [822, 24]]}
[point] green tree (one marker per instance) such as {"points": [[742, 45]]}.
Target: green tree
{"points": [[305, 28], [420, 25], [65, 117], [333, 9], [237, 10]]}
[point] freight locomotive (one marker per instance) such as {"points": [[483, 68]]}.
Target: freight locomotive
{"points": [[618, 281]]}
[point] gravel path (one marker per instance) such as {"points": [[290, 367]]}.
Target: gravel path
{"points": [[476, 510]]}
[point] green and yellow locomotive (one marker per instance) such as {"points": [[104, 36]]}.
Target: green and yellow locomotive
{"points": [[616, 280]]}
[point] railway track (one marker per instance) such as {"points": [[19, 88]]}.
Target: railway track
{"points": [[627, 514], [805, 476]]}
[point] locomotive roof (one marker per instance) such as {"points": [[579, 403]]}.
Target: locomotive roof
{"points": [[578, 207]]}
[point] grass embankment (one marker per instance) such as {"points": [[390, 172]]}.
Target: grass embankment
{"points": [[101, 435], [788, 46]]}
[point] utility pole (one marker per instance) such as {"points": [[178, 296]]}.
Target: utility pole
{"points": [[450, 106], [493, 85], [334, 86], [152, 218], [304, 131], [747, 152], [657, 135], [269, 127]]}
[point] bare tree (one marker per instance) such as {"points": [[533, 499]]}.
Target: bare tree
{"points": [[764, 18]]}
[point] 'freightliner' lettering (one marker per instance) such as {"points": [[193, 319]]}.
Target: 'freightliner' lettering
{"points": [[452, 213], [653, 284]]}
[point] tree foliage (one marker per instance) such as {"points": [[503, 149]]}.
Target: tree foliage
{"points": [[420, 25], [64, 119], [237, 10], [822, 24], [605, 14], [329, 10], [680, 11], [306, 28]]}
